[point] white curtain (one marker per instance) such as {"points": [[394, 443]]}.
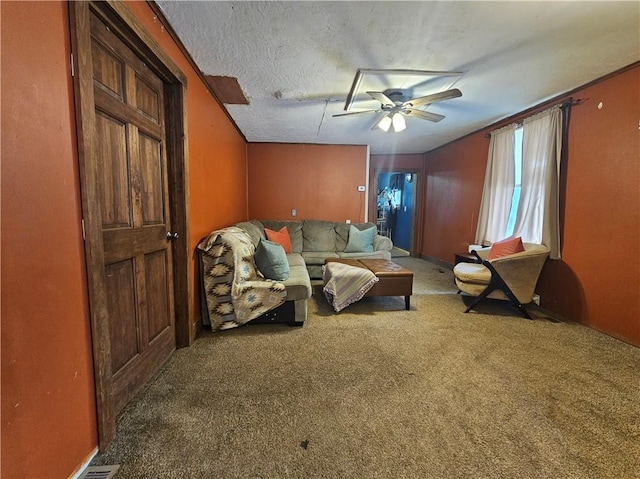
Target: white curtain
{"points": [[537, 219], [499, 182]]}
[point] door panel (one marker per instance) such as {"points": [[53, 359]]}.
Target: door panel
{"points": [[151, 173], [156, 281], [111, 154], [108, 71], [147, 99], [121, 304]]}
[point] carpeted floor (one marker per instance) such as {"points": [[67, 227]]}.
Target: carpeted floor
{"points": [[380, 392]]}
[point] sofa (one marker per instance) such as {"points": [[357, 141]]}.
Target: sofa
{"points": [[311, 243], [317, 240]]}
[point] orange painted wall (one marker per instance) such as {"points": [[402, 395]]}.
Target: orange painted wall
{"points": [[597, 280], [319, 181], [454, 177], [217, 152], [48, 406]]}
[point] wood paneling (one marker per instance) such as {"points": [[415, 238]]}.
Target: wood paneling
{"points": [[147, 99], [318, 181], [596, 282], [120, 286], [156, 280], [227, 90], [151, 171], [109, 71], [454, 176], [111, 151]]}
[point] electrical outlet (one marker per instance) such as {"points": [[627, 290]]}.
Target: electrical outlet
{"points": [[294, 212], [361, 188], [348, 221]]}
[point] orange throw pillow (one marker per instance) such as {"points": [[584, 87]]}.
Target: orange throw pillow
{"points": [[281, 237], [505, 247]]}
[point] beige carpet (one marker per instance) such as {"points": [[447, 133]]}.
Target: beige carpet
{"points": [[379, 392]]}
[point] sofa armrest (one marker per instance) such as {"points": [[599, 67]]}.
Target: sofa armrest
{"points": [[382, 243]]}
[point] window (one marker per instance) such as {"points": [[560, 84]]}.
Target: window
{"points": [[517, 188], [521, 187]]}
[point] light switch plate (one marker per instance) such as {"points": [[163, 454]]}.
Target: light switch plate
{"points": [[361, 188]]}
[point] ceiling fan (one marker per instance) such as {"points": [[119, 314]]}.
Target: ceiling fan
{"points": [[396, 107]]}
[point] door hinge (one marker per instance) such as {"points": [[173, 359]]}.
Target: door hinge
{"points": [[84, 237], [73, 69]]}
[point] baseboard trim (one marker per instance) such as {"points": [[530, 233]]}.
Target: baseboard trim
{"points": [[78, 472], [550, 315]]}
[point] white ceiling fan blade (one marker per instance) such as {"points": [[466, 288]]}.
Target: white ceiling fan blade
{"points": [[424, 115], [357, 112], [381, 97], [435, 97]]}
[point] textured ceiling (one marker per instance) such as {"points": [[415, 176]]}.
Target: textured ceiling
{"points": [[296, 61]]}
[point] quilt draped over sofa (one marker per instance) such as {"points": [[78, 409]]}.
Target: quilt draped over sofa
{"points": [[232, 290]]}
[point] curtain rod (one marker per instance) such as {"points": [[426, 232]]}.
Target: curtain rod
{"points": [[564, 105]]}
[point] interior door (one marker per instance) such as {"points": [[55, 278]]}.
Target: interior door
{"points": [[133, 195]]}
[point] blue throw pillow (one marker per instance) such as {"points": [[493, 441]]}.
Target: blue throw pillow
{"points": [[360, 241], [271, 260]]}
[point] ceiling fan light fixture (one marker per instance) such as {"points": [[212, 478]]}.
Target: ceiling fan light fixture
{"points": [[385, 123], [398, 122]]}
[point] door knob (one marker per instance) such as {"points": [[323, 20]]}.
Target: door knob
{"points": [[171, 236]]}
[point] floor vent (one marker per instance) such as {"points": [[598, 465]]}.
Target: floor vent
{"points": [[99, 472]]}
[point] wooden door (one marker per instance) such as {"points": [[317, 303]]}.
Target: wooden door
{"points": [[133, 194], [132, 150]]}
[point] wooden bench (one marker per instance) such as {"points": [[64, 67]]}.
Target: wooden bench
{"points": [[393, 279]]}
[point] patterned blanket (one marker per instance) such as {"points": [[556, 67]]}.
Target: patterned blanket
{"points": [[345, 284], [234, 292]]}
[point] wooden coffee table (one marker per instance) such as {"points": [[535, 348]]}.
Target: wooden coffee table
{"points": [[393, 279]]}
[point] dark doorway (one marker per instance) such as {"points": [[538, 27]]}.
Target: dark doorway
{"points": [[396, 195]]}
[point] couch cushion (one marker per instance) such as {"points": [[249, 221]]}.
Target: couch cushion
{"points": [[374, 255], [253, 230], [360, 241], [298, 285], [295, 232], [271, 261], [318, 235], [318, 257], [281, 237], [295, 259]]}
